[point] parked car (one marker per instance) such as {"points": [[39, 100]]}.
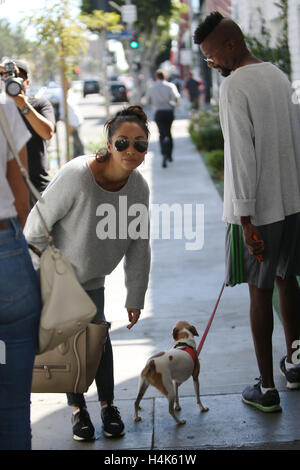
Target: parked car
{"points": [[91, 86], [77, 85], [117, 91]]}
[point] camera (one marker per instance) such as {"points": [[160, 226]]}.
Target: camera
{"points": [[13, 83]]}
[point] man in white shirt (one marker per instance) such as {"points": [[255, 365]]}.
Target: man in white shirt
{"points": [[261, 128], [163, 96]]}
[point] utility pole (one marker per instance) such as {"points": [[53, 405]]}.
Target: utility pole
{"points": [[129, 16], [104, 81]]}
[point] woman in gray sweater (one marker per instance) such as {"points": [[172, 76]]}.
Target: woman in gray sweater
{"points": [[91, 208]]}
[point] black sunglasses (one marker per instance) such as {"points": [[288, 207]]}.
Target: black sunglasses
{"points": [[139, 145]]}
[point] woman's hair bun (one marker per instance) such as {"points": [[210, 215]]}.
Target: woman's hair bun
{"points": [[133, 113], [134, 110]]}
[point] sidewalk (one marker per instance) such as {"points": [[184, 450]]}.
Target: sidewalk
{"points": [[183, 285]]}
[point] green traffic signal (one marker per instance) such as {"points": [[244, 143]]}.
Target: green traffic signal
{"points": [[134, 44]]}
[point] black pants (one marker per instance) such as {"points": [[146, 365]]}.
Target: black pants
{"points": [[164, 119], [105, 374]]}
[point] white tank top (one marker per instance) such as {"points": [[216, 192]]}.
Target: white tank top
{"points": [[21, 136]]}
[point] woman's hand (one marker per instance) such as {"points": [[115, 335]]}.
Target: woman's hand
{"points": [[133, 316]]}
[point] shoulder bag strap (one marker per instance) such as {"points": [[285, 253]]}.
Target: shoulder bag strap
{"points": [[32, 189]]}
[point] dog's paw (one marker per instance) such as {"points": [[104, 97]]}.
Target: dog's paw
{"points": [[204, 409], [181, 421], [137, 419]]}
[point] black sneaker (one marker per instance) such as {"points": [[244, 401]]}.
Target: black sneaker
{"points": [[113, 426], [292, 375], [83, 429], [164, 163], [267, 402]]}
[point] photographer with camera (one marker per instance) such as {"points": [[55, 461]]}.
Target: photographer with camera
{"points": [[38, 115]]}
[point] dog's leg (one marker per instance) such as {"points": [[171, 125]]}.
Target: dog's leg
{"points": [[197, 393], [171, 396], [177, 406], [142, 389]]}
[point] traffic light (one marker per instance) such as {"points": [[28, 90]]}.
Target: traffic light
{"points": [[134, 42]]}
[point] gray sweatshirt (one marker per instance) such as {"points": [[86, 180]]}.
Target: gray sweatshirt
{"points": [[93, 229], [261, 128]]}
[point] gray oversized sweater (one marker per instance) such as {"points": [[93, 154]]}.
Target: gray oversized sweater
{"points": [[96, 228], [261, 127]]}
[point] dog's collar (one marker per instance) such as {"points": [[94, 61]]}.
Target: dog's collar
{"points": [[189, 349]]}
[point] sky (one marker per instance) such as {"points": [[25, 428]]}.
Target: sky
{"points": [[14, 10]]}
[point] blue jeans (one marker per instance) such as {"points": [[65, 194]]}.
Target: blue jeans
{"points": [[105, 374], [20, 307]]}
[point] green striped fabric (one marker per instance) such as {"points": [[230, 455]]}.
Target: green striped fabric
{"points": [[237, 254]]}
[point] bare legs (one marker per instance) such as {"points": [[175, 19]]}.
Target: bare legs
{"points": [[261, 319]]}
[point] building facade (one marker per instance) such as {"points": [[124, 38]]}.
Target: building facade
{"points": [[249, 14]]}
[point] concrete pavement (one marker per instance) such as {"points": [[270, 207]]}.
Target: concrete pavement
{"points": [[184, 284]]}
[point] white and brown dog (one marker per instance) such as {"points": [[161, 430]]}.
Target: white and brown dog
{"points": [[167, 370]]}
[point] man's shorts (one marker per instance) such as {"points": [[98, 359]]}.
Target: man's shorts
{"points": [[281, 255]]}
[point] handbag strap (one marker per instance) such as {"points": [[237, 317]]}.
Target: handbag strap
{"points": [[36, 195]]}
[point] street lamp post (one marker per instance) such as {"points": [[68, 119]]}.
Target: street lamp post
{"points": [[129, 16]]}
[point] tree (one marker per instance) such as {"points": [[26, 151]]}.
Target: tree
{"points": [[61, 34], [153, 29], [261, 47], [12, 40], [283, 57], [153, 25], [99, 22]]}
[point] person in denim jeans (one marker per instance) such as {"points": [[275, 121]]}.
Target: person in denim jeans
{"points": [[20, 302]]}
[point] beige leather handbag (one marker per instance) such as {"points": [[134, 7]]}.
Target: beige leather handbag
{"points": [[67, 308], [71, 366]]}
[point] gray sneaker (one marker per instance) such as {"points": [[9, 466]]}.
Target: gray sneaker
{"points": [[268, 402], [292, 375]]}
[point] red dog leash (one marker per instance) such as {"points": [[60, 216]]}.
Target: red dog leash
{"points": [[206, 329], [210, 321]]}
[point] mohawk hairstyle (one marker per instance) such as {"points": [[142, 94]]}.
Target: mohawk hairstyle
{"points": [[207, 26]]}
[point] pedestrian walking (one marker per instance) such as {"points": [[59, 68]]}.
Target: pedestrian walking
{"points": [[164, 97], [38, 115], [20, 303], [88, 207], [192, 90], [261, 127]]}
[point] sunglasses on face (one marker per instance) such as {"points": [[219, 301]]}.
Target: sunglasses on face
{"points": [[139, 145]]}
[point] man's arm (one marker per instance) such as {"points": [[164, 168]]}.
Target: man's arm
{"points": [[39, 123], [243, 166]]}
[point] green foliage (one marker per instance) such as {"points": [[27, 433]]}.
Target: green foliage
{"points": [[261, 46], [215, 160], [60, 34], [99, 20], [12, 40], [205, 129]]}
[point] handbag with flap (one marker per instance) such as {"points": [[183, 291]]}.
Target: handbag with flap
{"points": [[71, 366]]}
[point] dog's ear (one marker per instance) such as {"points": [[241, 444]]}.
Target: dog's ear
{"points": [[175, 333], [193, 331]]}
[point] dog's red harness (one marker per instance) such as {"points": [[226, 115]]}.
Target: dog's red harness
{"points": [[191, 351]]}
